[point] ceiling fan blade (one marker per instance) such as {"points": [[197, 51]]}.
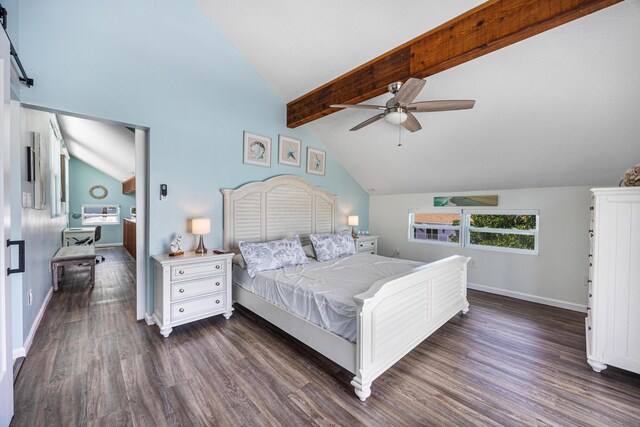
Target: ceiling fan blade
{"points": [[368, 121], [408, 91], [411, 124], [421, 107], [361, 106]]}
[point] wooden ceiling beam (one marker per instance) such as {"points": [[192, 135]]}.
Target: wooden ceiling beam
{"points": [[488, 27]]}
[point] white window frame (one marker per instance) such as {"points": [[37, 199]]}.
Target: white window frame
{"points": [[465, 228], [107, 205], [413, 226], [469, 229]]}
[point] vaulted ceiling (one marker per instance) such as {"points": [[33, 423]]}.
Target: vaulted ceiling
{"points": [[107, 147], [560, 108]]}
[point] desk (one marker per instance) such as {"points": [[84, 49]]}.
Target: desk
{"points": [[71, 235]]}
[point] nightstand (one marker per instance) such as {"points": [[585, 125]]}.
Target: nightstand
{"points": [[368, 244], [189, 288]]}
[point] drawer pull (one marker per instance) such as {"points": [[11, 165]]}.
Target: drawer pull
{"points": [[589, 281], [589, 327], [181, 272], [217, 283], [590, 295], [588, 308], [217, 266], [182, 291], [181, 310], [217, 301]]}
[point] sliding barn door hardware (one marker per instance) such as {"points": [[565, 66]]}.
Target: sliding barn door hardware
{"points": [[24, 78]]}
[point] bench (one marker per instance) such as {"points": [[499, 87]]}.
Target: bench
{"points": [[72, 255]]}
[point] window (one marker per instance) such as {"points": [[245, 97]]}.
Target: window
{"points": [[515, 231], [438, 227], [507, 231], [100, 214]]}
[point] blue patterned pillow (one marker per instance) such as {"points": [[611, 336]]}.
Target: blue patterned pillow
{"points": [[272, 255], [331, 246]]}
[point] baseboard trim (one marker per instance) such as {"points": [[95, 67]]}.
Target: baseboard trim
{"points": [[23, 351], [108, 245], [528, 297], [149, 319], [18, 353]]}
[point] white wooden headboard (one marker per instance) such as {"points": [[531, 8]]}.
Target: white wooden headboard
{"points": [[276, 208]]}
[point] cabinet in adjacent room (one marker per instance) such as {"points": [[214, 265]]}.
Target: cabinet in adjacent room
{"points": [[129, 186], [613, 317], [129, 236]]}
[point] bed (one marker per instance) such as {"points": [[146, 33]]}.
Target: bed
{"points": [[394, 315]]}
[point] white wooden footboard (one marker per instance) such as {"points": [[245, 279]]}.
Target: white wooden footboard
{"points": [[398, 313]]}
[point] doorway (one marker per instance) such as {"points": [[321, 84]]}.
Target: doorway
{"points": [[100, 185]]}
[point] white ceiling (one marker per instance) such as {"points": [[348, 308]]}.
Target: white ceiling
{"points": [[107, 147], [561, 108]]}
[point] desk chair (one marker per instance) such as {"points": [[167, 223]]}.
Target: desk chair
{"points": [[90, 241]]}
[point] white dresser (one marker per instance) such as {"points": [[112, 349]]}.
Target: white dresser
{"points": [[367, 244], [613, 316], [190, 287]]}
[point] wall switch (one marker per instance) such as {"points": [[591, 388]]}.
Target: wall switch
{"points": [[30, 297]]}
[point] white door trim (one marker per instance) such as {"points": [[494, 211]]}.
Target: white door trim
{"points": [[142, 142]]}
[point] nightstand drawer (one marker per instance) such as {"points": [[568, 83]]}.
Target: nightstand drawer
{"points": [[195, 307], [366, 245], [197, 270], [193, 288]]}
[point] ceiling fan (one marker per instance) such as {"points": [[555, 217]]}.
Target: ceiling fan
{"points": [[399, 109]]}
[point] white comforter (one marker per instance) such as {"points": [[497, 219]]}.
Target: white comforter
{"points": [[322, 292]]}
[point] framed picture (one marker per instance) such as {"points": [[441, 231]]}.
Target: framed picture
{"points": [[316, 161], [257, 150], [289, 151], [465, 201]]}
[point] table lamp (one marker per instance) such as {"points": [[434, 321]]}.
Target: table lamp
{"points": [[352, 220], [201, 226]]}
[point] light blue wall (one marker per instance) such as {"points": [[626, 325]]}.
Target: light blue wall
{"points": [[82, 177], [162, 64]]}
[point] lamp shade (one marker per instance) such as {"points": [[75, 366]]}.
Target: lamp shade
{"points": [[200, 226], [352, 220]]}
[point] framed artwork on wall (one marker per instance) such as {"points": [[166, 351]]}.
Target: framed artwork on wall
{"points": [[257, 149], [289, 150], [316, 161]]}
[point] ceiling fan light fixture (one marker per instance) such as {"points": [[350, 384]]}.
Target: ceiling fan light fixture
{"points": [[396, 116]]}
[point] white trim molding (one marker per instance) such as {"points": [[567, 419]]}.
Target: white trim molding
{"points": [[23, 351], [150, 319], [528, 297]]}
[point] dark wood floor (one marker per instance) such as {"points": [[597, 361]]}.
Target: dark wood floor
{"points": [[507, 362]]}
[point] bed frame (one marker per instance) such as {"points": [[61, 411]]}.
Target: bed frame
{"points": [[394, 315]]}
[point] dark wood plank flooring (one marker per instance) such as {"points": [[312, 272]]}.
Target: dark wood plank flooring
{"points": [[507, 362]]}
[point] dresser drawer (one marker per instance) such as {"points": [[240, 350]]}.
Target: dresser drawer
{"points": [[193, 288], [366, 245], [197, 270], [195, 307]]}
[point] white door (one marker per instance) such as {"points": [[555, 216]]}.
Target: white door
{"points": [[6, 362]]}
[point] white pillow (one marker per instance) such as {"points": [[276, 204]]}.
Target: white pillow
{"points": [[331, 246], [272, 255]]}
